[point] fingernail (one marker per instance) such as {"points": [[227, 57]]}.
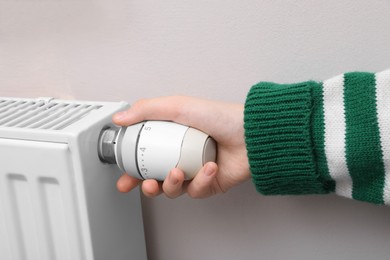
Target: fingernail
{"points": [[174, 181], [120, 115], [208, 171]]}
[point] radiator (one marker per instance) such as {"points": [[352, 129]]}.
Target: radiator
{"points": [[57, 199]]}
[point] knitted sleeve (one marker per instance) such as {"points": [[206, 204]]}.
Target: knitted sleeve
{"points": [[317, 138]]}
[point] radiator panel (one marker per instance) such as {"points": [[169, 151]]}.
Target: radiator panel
{"points": [[41, 217], [57, 199]]}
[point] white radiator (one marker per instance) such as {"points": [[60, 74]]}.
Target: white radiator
{"points": [[57, 199]]}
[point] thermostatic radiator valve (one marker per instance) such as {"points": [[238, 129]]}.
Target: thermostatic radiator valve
{"points": [[149, 150]]}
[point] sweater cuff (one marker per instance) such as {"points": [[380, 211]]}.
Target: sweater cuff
{"points": [[279, 138]]}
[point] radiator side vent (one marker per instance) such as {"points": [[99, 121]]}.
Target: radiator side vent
{"points": [[41, 114]]}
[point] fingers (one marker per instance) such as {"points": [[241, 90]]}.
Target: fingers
{"points": [[151, 188], [173, 184], [203, 185], [126, 183]]}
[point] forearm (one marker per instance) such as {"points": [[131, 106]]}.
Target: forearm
{"points": [[315, 138]]}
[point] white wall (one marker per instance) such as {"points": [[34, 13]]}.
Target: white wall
{"points": [[125, 50]]}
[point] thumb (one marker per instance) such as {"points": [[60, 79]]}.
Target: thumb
{"points": [[164, 108]]}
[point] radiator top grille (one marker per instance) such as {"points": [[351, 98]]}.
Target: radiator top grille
{"points": [[42, 114]]}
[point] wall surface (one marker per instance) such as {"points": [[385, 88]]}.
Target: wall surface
{"points": [[130, 49]]}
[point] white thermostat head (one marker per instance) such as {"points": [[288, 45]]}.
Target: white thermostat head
{"points": [[149, 150]]}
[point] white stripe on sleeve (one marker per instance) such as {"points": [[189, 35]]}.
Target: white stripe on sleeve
{"points": [[334, 121], [383, 112]]}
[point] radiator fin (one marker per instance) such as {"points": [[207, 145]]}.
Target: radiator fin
{"points": [[41, 114], [54, 216], [24, 222]]}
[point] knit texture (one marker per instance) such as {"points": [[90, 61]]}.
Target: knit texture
{"points": [[279, 139], [316, 138], [363, 148]]}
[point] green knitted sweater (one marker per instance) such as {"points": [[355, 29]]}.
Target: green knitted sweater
{"points": [[317, 138]]}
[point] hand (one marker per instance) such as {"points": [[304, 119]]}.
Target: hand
{"points": [[222, 121]]}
